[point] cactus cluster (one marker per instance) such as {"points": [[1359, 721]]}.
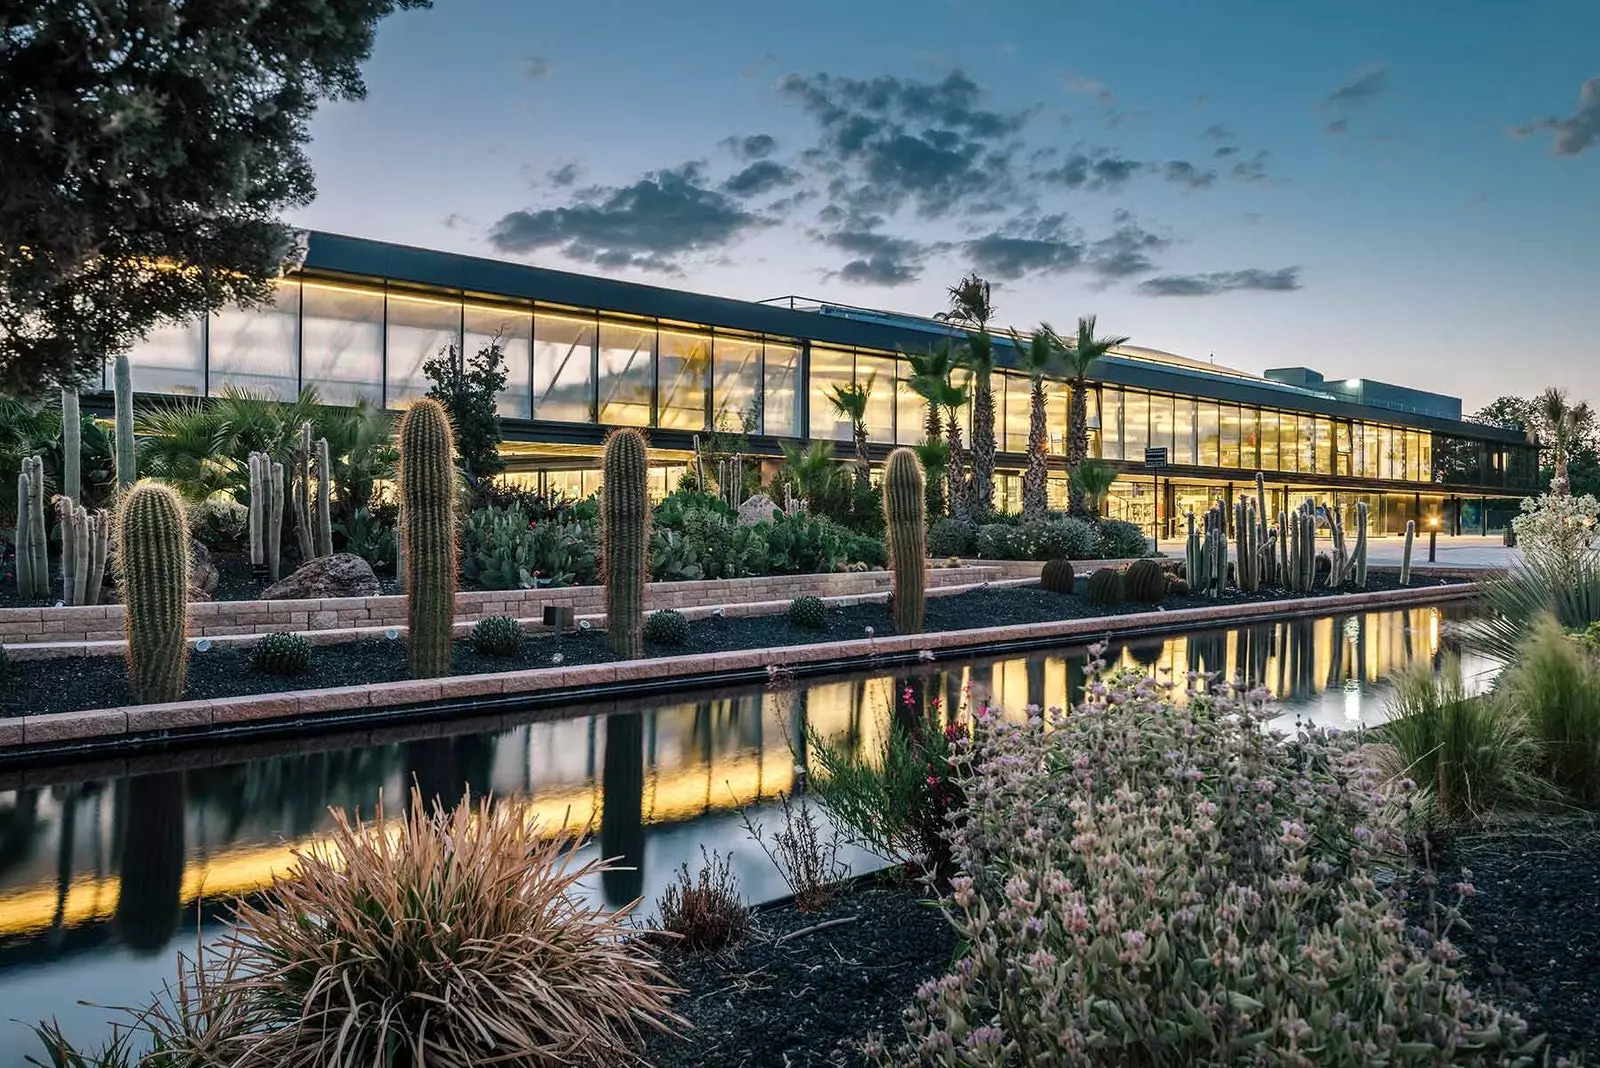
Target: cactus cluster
{"points": [[1405, 559], [122, 388], [324, 519], [428, 532], [1057, 576], [266, 515], [808, 612], [313, 518], [33, 563], [497, 636], [1206, 554], [1361, 545], [906, 531], [281, 654], [666, 627], [625, 537], [1105, 588], [153, 575], [84, 539], [1299, 558], [1145, 582]]}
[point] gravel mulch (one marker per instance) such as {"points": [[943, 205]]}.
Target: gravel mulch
{"points": [[813, 999], [1531, 937], [71, 683]]}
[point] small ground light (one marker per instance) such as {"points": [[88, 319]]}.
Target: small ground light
{"points": [[203, 645], [392, 633]]}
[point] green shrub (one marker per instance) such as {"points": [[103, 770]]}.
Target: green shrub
{"points": [[666, 627], [1155, 884], [951, 537], [808, 612], [497, 636], [705, 543], [281, 654], [996, 541], [1470, 756], [219, 523], [803, 544], [1105, 588], [1555, 686], [1057, 576], [1540, 584], [371, 538], [865, 549], [1145, 582], [501, 549], [705, 912], [1119, 539]]}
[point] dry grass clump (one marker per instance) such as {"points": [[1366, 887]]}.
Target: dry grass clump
{"points": [[1555, 687], [806, 858], [704, 911]]}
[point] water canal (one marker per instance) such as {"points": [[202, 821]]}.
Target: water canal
{"points": [[104, 879]]}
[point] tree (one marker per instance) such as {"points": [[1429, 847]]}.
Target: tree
{"points": [[1079, 354], [1040, 357], [934, 455], [1093, 479], [952, 398], [977, 356], [148, 147], [1508, 413], [810, 468], [469, 388], [1565, 426], [970, 303], [850, 402]]}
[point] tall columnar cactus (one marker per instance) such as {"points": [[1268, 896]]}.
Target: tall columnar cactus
{"points": [[625, 534], [906, 531], [1284, 578], [1340, 556], [65, 513], [302, 495], [1193, 555], [1308, 550], [274, 518], [324, 487], [153, 574], [428, 494], [38, 543], [260, 504], [24, 532], [1405, 559], [122, 388], [83, 552], [1361, 545], [1265, 574], [71, 445]]}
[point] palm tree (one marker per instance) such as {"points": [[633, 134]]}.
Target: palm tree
{"points": [[952, 398], [1092, 479], [928, 370], [186, 444], [977, 356], [970, 303], [811, 468], [934, 455], [1567, 424], [1040, 356], [1079, 354], [850, 402]]}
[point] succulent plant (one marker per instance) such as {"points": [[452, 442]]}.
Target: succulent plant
{"points": [[905, 530], [625, 537], [153, 575], [1177, 587], [1405, 559], [497, 636], [1105, 588], [808, 612], [666, 627], [1145, 581], [1057, 576], [428, 532], [127, 458], [281, 654]]}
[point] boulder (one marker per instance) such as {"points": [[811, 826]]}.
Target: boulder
{"points": [[758, 509], [339, 575], [203, 575]]}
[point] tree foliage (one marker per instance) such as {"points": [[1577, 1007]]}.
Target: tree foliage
{"points": [[469, 388], [140, 135]]}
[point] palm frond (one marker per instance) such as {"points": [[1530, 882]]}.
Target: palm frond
{"points": [[850, 400]]}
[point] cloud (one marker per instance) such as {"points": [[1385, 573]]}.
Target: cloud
{"points": [[1224, 151], [1217, 132], [753, 146], [1253, 169], [1047, 246], [536, 67], [1369, 80], [1185, 173], [564, 175], [1576, 132], [1337, 127], [1087, 86], [880, 259], [761, 177], [1126, 251], [1093, 169], [651, 224], [1213, 283]]}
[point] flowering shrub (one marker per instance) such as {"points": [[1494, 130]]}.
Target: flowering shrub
{"points": [[1122, 540], [1061, 538], [1562, 527], [1161, 885]]}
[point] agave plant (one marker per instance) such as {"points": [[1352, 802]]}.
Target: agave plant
{"points": [[1538, 585]]}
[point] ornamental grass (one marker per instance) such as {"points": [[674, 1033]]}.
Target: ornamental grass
{"points": [[1152, 883]]}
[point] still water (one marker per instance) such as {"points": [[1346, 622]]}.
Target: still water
{"points": [[103, 880]]}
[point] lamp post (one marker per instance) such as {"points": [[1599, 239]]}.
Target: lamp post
{"points": [[1433, 538]]}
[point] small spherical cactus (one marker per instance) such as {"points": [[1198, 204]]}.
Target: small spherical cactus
{"points": [[281, 654], [808, 612], [1145, 581], [1177, 586], [666, 627], [497, 636], [1105, 589], [1057, 576]]}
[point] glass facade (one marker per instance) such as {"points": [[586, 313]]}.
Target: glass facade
{"points": [[352, 342]]}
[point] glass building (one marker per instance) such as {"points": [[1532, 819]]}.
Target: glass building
{"points": [[586, 353]]}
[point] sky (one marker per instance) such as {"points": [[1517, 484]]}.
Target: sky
{"points": [[1402, 191]]}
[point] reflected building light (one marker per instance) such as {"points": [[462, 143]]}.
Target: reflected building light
{"points": [[1352, 701]]}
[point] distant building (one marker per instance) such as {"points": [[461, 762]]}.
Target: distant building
{"points": [[587, 353]]}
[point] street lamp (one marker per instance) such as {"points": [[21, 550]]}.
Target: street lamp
{"points": [[1433, 538]]}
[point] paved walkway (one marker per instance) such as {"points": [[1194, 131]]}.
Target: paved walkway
{"points": [[1467, 550]]}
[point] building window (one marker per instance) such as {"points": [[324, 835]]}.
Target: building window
{"points": [[780, 401], [1135, 425], [1110, 423], [418, 330], [736, 383], [911, 411], [829, 368], [1230, 435], [1324, 446], [876, 374], [515, 331], [1184, 449], [563, 362], [684, 365], [171, 359], [1269, 441], [1250, 438], [258, 349], [341, 349], [627, 371], [1210, 433]]}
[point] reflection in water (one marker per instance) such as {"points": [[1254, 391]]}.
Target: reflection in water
{"points": [[91, 871]]}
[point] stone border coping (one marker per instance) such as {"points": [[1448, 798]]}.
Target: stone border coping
{"points": [[67, 732]]}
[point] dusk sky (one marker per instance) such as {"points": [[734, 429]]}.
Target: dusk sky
{"points": [[1399, 191]]}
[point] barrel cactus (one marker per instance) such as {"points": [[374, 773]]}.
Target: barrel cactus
{"points": [[906, 532], [1145, 582], [497, 636], [153, 575], [1177, 587], [428, 530], [281, 654], [666, 627], [1105, 588], [808, 612], [625, 535], [1057, 576]]}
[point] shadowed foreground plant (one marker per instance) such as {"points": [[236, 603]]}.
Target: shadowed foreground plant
{"points": [[806, 858], [1161, 885], [1540, 584], [705, 911], [1555, 687]]}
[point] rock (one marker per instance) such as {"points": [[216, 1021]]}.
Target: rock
{"points": [[203, 575], [339, 575], [758, 509]]}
